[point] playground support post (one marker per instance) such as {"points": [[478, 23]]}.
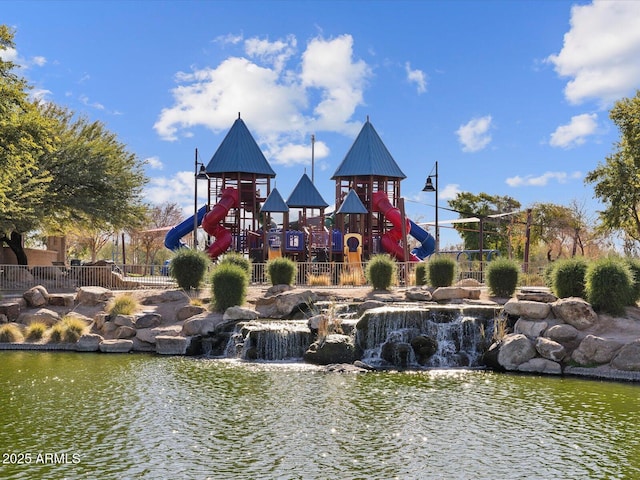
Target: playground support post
{"points": [[429, 187]]}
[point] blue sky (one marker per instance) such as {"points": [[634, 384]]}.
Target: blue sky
{"points": [[510, 97]]}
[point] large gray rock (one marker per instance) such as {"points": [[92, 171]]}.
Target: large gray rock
{"points": [[172, 345], [515, 350], [36, 296], [125, 332], [527, 309], [188, 311], [149, 334], [368, 305], [12, 308], [89, 342], [92, 296], [333, 348], [41, 315], [628, 357], [124, 320], [541, 365], [561, 333], [284, 304], [162, 296], [239, 313], [116, 346], [595, 350], [418, 294], [530, 328], [550, 350], [148, 320], [442, 294], [18, 275], [62, 299], [536, 296], [575, 311], [202, 324]]}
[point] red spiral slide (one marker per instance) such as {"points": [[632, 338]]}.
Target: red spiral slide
{"points": [[211, 222], [390, 240]]}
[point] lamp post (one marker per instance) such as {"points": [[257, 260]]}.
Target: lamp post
{"points": [[198, 174], [429, 187]]}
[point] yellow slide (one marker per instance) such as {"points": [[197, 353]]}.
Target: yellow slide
{"points": [[353, 258]]}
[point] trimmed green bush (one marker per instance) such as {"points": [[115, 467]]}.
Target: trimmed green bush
{"points": [[10, 333], [228, 286], [237, 259], [547, 274], [421, 274], [188, 268], [502, 277], [442, 271], [381, 271], [634, 266], [568, 277], [609, 284], [35, 331], [281, 271]]}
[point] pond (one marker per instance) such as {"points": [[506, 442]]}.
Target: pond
{"points": [[78, 416]]}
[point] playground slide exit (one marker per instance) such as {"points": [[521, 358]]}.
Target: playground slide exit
{"points": [[211, 223], [390, 240], [172, 238]]}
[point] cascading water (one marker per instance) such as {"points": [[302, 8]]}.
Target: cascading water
{"points": [[269, 340]]}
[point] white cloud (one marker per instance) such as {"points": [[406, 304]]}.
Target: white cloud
{"points": [[416, 76], [575, 133], [281, 102], [473, 135], [542, 180], [9, 55], [177, 189], [85, 100], [298, 154], [154, 162], [449, 192], [39, 61], [601, 51], [39, 94]]}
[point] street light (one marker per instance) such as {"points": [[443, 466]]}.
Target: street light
{"points": [[198, 175], [429, 187]]}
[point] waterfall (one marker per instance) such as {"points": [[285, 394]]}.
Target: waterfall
{"points": [[269, 340], [421, 336]]}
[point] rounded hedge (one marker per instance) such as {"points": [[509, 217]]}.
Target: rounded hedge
{"points": [[228, 286], [421, 274], [568, 278], [188, 268], [609, 285], [442, 271], [381, 271], [281, 271], [237, 259], [634, 266], [502, 277]]}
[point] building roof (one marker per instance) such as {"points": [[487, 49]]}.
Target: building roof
{"points": [[274, 203], [368, 156], [352, 204], [306, 195], [239, 152]]}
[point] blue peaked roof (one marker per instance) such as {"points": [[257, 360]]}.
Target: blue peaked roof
{"points": [[274, 203], [239, 152], [368, 156], [352, 204], [306, 195]]}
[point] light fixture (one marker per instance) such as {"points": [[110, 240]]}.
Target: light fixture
{"points": [[430, 187]]}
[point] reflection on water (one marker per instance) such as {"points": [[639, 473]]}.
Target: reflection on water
{"points": [[136, 416]]}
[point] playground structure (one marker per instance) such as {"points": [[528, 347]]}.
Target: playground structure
{"points": [[242, 206]]}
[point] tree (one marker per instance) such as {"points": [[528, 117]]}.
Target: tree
{"points": [[496, 230], [151, 238], [617, 181]]}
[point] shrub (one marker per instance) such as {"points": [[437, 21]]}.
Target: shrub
{"points": [[56, 334], [188, 268], [319, 279], [35, 331], [281, 271], [502, 277], [421, 274], [381, 271], [609, 284], [10, 333], [123, 305], [442, 271], [228, 286], [634, 266], [547, 273], [73, 328], [237, 259], [568, 277]]}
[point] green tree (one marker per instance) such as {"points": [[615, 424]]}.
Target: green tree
{"points": [[483, 206], [617, 180]]}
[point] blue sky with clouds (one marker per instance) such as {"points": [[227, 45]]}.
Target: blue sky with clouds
{"points": [[510, 97]]}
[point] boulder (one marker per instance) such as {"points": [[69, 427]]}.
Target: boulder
{"points": [[124, 320], [628, 357], [163, 296], [202, 324], [89, 342], [333, 348], [516, 349], [12, 309], [369, 304], [316, 321], [424, 347], [41, 315], [62, 299], [18, 275], [595, 350], [527, 309], [239, 313], [148, 320], [172, 345], [125, 332], [140, 346], [36, 296], [418, 294], [100, 319], [575, 311], [188, 311], [396, 353], [92, 296], [442, 294], [108, 328], [149, 334], [3, 318], [284, 304], [536, 295], [550, 350], [561, 333], [277, 289], [541, 365], [116, 346], [530, 328]]}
